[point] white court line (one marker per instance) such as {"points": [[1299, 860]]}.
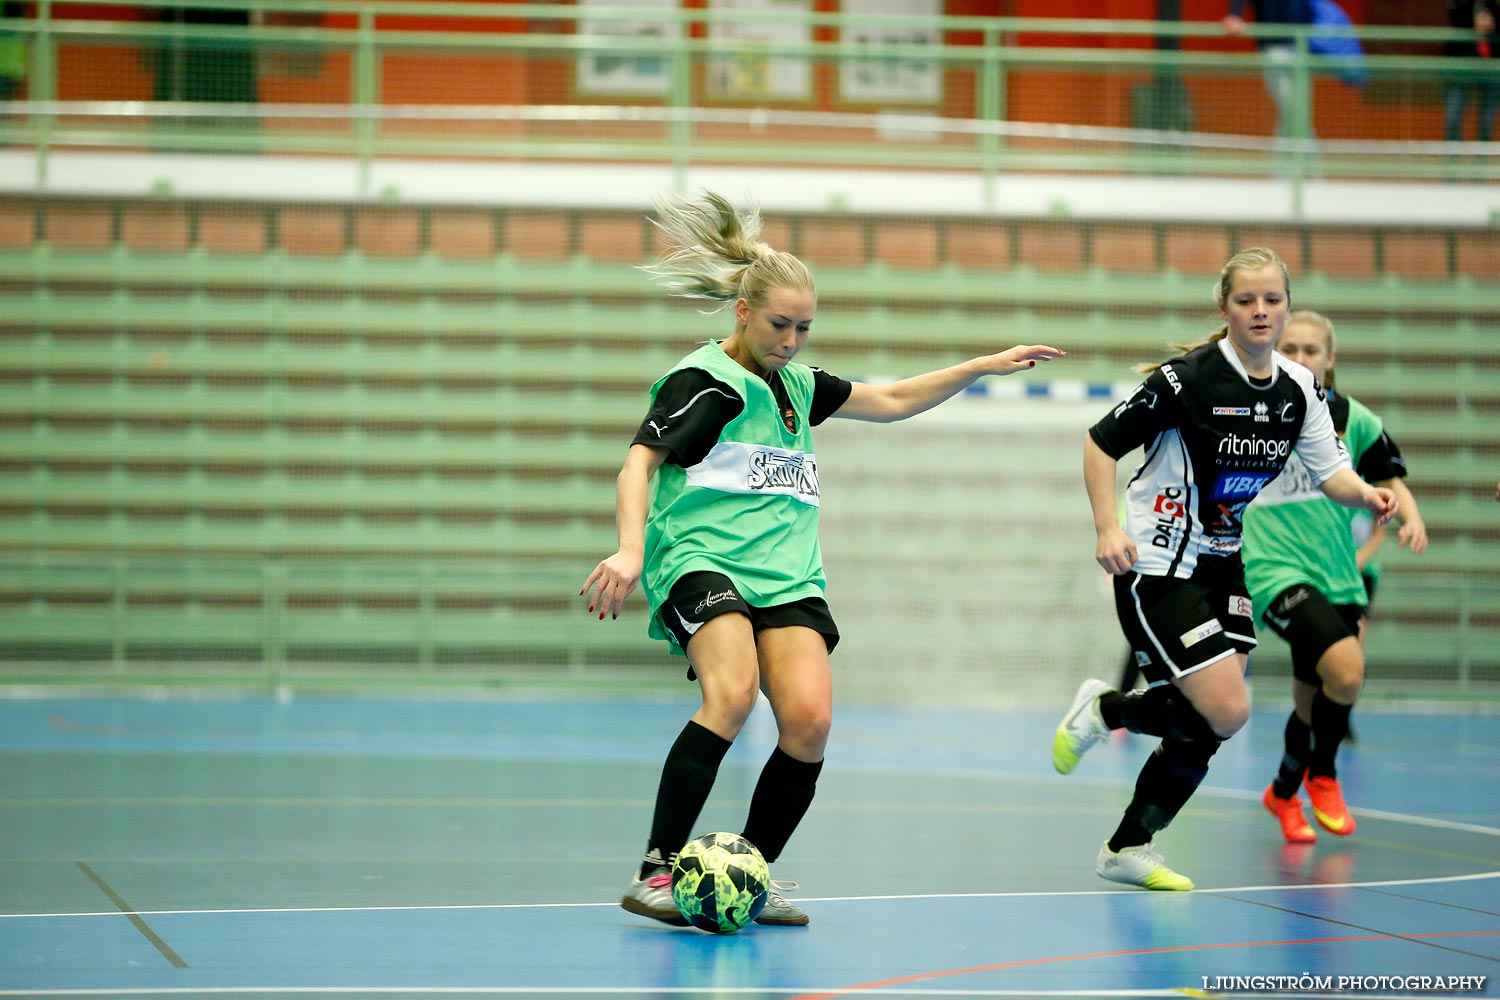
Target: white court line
{"points": [[1435, 880], [1114, 783]]}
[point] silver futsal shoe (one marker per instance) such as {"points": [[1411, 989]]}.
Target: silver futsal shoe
{"points": [[778, 912]]}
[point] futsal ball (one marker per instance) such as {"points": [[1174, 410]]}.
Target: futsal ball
{"points": [[719, 882]]}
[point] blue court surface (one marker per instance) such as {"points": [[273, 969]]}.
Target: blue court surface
{"points": [[374, 847]]}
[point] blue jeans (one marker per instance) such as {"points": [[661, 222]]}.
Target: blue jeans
{"points": [[1457, 103]]}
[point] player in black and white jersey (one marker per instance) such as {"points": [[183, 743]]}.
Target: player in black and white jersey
{"points": [[1217, 424]]}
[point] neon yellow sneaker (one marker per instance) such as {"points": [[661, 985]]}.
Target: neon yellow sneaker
{"points": [[1081, 728], [1141, 866]]}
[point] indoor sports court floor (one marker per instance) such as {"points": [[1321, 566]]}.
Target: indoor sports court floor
{"points": [[393, 847]]}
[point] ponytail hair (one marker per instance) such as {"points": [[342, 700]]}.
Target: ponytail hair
{"points": [[1250, 259], [1330, 344], [715, 253]]}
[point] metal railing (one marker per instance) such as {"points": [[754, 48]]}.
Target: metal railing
{"points": [[707, 87]]}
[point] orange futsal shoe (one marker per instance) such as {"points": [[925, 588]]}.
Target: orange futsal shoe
{"points": [[1328, 805], [1294, 825]]}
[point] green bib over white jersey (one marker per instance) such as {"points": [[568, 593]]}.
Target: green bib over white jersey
{"points": [[1294, 534], [749, 509]]}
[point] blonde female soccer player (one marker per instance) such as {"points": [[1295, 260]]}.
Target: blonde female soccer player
{"points": [[1302, 567], [1217, 424], [726, 545]]}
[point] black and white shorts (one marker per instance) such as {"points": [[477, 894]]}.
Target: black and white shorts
{"points": [[1175, 627], [697, 598], [1303, 616]]}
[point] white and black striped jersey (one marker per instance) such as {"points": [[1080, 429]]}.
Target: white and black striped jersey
{"points": [[1214, 437]]}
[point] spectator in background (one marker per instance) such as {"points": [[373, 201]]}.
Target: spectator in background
{"points": [[12, 53], [1480, 17], [198, 70], [1278, 53]]}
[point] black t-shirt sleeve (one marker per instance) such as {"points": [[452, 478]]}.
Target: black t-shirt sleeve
{"points": [[1382, 461], [689, 413], [1134, 423], [829, 393]]}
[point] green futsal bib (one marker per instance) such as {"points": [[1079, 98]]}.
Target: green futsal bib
{"points": [[749, 509], [1294, 534]]}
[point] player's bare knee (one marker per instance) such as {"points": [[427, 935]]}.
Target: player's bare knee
{"points": [[729, 702], [1227, 717], [1341, 671], [1343, 690], [804, 731]]}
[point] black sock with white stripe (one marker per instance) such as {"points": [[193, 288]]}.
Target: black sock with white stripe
{"points": [[686, 779]]}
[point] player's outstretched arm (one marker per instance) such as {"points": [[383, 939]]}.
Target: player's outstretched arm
{"points": [[910, 396], [616, 576]]}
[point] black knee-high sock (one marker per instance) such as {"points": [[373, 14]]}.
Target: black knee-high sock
{"points": [[1297, 744], [1330, 724], [781, 798], [1167, 780], [1158, 711], [686, 779]]}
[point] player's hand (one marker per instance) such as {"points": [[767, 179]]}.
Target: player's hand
{"points": [[616, 578], [1233, 25], [1382, 503], [1413, 535], [1115, 551], [1022, 358]]}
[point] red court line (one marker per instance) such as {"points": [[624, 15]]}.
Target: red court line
{"points": [[1023, 963]]}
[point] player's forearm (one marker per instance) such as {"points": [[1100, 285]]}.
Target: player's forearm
{"points": [[1345, 488], [1099, 480], [632, 497], [1408, 512], [920, 393]]}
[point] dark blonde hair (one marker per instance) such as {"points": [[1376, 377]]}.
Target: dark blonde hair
{"points": [[716, 253], [1323, 323], [1249, 259]]}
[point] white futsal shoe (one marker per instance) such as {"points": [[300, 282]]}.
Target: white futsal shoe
{"points": [[1141, 866], [1082, 728]]}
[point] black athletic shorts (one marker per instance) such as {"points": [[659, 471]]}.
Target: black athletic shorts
{"points": [[697, 598], [1310, 625], [1175, 627]]}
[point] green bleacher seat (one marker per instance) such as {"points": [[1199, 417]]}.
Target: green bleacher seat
{"points": [[215, 445]]}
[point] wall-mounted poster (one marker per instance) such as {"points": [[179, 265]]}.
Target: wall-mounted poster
{"points": [[643, 72], [759, 72], [888, 80]]}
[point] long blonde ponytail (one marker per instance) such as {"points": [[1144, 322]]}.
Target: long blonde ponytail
{"points": [[716, 253]]}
